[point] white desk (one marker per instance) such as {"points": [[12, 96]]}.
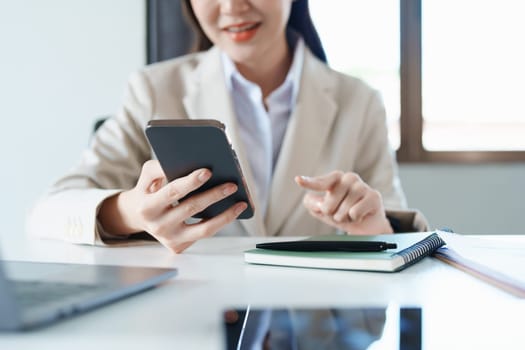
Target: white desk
{"points": [[459, 311]]}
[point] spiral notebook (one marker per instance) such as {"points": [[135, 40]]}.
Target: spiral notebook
{"points": [[411, 248]]}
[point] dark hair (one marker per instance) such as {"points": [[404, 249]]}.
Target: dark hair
{"points": [[299, 20]]}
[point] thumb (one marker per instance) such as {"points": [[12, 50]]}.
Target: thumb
{"points": [[151, 177]]}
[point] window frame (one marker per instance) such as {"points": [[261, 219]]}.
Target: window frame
{"points": [[411, 148]]}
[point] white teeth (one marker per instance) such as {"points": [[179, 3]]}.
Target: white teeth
{"points": [[241, 29]]}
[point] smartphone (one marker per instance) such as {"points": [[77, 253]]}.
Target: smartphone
{"points": [[184, 145]]}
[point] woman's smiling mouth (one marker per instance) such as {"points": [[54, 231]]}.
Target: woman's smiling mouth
{"points": [[242, 31]]}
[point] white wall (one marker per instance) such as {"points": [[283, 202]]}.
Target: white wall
{"points": [[62, 64], [476, 199]]}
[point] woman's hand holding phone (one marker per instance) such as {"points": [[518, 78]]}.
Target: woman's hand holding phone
{"points": [[149, 206]]}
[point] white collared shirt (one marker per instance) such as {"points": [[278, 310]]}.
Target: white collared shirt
{"points": [[262, 131]]}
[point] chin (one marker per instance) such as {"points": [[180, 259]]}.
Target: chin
{"points": [[241, 55]]}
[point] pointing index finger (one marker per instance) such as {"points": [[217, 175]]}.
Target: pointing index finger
{"points": [[318, 183]]}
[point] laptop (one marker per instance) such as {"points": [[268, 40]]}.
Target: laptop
{"points": [[34, 294]]}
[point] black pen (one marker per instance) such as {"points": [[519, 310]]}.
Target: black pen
{"points": [[328, 246]]}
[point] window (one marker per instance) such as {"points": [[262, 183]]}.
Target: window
{"points": [[363, 42], [450, 72], [473, 74]]}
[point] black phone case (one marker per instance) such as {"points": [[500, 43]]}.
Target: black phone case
{"points": [[182, 146]]}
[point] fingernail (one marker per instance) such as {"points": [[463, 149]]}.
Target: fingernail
{"points": [[307, 178], [229, 189], [204, 175], [153, 187], [240, 208]]}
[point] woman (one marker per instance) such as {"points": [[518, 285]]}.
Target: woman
{"points": [[289, 117]]}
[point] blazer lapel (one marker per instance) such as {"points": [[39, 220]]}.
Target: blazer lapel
{"points": [[307, 131], [209, 98]]}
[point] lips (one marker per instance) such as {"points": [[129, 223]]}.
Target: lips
{"points": [[241, 32], [236, 28]]}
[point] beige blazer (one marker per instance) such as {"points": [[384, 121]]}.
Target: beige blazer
{"points": [[338, 123]]}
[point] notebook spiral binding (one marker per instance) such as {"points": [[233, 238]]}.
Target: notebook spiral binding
{"points": [[421, 249]]}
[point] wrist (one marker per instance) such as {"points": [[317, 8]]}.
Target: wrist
{"points": [[115, 217]]}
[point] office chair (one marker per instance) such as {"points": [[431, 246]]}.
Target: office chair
{"points": [[98, 123]]}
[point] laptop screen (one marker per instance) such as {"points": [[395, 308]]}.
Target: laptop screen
{"points": [[37, 293]]}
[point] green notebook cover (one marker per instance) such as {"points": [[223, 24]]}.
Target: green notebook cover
{"points": [[411, 247]]}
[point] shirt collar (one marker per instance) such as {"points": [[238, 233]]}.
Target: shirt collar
{"points": [[292, 78]]}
